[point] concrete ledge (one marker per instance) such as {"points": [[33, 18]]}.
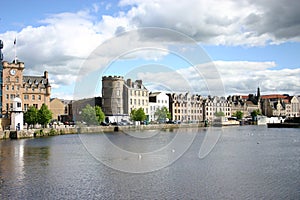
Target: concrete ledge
{"points": [[92, 129]]}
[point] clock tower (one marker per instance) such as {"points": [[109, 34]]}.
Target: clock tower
{"points": [[12, 84]]}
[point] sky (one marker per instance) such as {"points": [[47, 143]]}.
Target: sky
{"points": [[199, 46]]}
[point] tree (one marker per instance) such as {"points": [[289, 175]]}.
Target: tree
{"points": [[100, 114], [254, 114], [219, 114], [44, 115], [138, 115], [31, 116], [238, 114], [89, 115], [162, 113]]}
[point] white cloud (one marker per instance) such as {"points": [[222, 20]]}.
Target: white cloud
{"points": [[61, 42], [235, 77], [217, 22]]}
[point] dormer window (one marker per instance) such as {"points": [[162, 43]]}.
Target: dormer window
{"points": [[29, 81], [36, 82]]}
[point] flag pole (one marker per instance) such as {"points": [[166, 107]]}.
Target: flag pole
{"points": [[15, 45]]}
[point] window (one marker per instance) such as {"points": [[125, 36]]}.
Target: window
{"points": [[130, 101], [118, 92], [26, 96], [36, 106], [12, 96], [33, 97], [12, 87], [17, 79], [18, 105], [18, 87], [7, 87], [40, 98], [26, 106], [7, 96]]}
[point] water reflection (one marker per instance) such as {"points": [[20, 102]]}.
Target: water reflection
{"points": [[18, 159]]}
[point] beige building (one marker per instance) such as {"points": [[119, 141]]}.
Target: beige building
{"points": [[120, 97], [186, 107], [32, 90], [213, 105], [57, 108]]}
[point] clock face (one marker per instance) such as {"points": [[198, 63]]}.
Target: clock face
{"points": [[12, 72]]}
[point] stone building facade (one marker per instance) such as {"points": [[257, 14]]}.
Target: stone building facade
{"points": [[120, 97], [32, 90], [213, 105], [57, 108], [186, 107]]}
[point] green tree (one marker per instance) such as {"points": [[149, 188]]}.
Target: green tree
{"points": [[44, 115], [100, 114], [219, 114], [254, 114], [31, 116], [138, 115], [238, 114], [162, 114], [89, 115]]}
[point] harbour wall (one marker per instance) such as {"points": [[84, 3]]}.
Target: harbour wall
{"points": [[30, 133]]}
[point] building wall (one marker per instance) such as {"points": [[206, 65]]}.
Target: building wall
{"points": [[57, 108], [157, 101], [213, 105], [32, 90], [137, 96], [112, 95], [12, 85], [186, 107], [120, 97]]}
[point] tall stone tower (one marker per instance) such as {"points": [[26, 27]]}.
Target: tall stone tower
{"points": [[112, 95]]}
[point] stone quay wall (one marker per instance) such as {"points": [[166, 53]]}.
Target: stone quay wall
{"points": [[30, 133]]}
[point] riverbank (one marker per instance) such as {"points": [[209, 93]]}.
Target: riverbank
{"points": [[31, 133]]}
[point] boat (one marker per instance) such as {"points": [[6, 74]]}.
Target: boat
{"points": [[291, 122]]}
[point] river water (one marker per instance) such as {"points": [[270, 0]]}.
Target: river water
{"points": [[247, 162]]}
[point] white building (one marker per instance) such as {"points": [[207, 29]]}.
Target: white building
{"points": [[17, 115], [213, 105], [157, 100]]}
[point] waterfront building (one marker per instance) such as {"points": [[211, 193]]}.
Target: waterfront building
{"points": [[214, 105], [293, 107], [120, 97], [75, 107], [57, 108], [237, 103], [186, 107], [280, 105], [157, 100], [32, 90], [274, 105]]}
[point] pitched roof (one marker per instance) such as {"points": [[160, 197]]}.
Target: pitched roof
{"points": [[274, 96]]}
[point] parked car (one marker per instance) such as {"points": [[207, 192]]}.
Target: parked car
{"points": [[104, 124]]}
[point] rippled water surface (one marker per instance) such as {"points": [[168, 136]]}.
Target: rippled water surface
{"points": [[248, 162]]}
